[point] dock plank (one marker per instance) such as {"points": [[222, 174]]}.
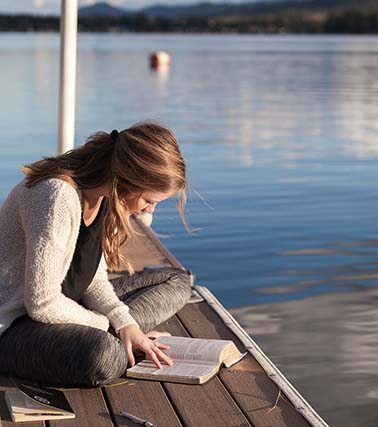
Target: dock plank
{"points": [[208, 404], [89, 407], [256, 396], [247, 382], [145, 249], [145, 399]]}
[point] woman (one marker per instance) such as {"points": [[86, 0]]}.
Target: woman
{"points": [[60, 228]]}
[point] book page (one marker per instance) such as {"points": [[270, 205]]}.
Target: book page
{"points": [[181, 369], [196, 350]]}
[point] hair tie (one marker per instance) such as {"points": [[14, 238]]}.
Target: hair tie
{"points": [[114, 135]]}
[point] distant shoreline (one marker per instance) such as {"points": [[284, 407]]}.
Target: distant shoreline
{"points": [[304, 22], [188, 32]]}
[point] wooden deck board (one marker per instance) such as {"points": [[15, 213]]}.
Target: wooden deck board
{"points": [[207, 404], [247, 382], [146, 250], [89, 407], [145, 399], [254, 394]]}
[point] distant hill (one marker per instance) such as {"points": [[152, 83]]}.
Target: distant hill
{"points": [[201, 10], [212, 10], [102, 9]]}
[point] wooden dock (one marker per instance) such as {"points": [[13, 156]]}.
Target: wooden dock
{"points": [[241, 396]]}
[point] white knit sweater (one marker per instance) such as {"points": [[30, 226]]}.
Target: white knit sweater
{"points": [[39, 227]]}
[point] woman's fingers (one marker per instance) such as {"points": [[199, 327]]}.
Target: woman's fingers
{"points": [[162, 356], [130, 355], [162, 346], [155, 354], [154, 358], [133, 338]]}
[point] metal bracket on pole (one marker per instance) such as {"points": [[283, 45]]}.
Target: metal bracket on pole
{"points": [[67, 82]]}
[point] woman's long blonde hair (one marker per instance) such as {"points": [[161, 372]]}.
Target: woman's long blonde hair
{"points": [[144, 157]]}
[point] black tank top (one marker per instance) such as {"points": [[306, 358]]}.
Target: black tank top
{"points": [[86, 257]]}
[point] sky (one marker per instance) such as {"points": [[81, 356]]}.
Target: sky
{"points": [[53, 6]]}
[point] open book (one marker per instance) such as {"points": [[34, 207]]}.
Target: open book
{"points": [[195, 360], [33, 403]]}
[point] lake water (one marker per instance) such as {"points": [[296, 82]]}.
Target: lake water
{"points": [[281, 138]]}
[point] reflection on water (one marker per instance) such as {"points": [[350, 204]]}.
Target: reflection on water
{"points": [[281, 138], [327, 347]]}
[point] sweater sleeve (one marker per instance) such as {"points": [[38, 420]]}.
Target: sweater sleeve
{"points": [[100, 296], [48, 217]]}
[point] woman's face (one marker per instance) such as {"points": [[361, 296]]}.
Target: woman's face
{"points": [[145, 202]]}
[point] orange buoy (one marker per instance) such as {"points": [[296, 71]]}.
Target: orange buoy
{"points": [[159, 58]]}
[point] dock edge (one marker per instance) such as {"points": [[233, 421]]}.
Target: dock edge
{"points": [[298, 401]]}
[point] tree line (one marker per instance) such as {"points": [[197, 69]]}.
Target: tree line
{"points": [[353, 21]]}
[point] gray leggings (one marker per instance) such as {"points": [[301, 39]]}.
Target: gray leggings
{"points": [[72, 354]]}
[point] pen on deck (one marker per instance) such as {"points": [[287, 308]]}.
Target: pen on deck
{"points": [[137, 420]]}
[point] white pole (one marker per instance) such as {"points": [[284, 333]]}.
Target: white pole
{"points": [[67, 83]]}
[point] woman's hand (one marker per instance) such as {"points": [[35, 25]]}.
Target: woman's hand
{"points": [[133, 338]]}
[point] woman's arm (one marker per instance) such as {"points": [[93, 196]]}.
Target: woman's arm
{"points": [[100, 296], [50, 212]]}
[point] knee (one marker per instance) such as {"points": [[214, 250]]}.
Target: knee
{"points": [[181, 287], [104, 359], [175, 279], [182, 281]]}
